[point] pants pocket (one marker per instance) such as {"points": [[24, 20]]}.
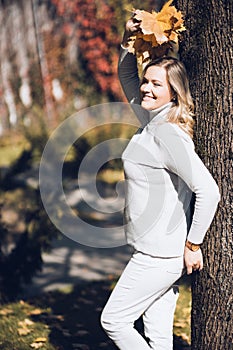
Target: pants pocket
{"points": [[175, 266]]}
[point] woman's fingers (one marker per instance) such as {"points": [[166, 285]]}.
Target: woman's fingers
{"points": [[189, 269], [201, 265], [193, 260], [132, 25]]}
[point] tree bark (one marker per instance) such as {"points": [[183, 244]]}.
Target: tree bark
{"points": [[207, 54]]}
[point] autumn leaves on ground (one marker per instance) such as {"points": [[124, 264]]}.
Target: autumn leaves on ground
{"points": [[69, 320]]}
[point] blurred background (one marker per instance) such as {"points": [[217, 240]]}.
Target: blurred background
{"points": [[57, 58]]}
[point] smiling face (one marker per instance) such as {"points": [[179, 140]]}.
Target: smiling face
{"points": [[155, 89]]}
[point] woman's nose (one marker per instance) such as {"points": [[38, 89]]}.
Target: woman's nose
{"points": [[146, 87]]}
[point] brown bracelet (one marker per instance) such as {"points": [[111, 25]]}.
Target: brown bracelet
{"points": [[192, 246]]}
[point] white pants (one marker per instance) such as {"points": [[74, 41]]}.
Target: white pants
{"points": [[146, 287]]}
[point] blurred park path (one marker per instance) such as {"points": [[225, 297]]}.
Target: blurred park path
{"points": [[70, 263], [86, 276]]}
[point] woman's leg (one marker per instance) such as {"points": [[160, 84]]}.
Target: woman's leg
{"points": [[158, 320], [143, 281]]}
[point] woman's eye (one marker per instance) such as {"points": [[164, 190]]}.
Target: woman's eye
{"points": [[144, 82]]}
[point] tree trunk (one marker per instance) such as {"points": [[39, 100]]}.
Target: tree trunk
{"points": [[207, 54], [5, 67]]}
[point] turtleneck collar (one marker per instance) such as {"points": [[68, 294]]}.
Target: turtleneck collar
{"points": [[159, 114], [150, 117]]}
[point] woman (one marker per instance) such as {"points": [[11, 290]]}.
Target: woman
{"points": [[162, 172]]}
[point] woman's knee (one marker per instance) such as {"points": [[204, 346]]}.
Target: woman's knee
{"points": [[106, 322], [109, 323]]}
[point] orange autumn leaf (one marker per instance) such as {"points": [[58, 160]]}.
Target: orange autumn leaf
{"points": [[149, 25], [36, 312], [167, 12], [171, 19], [37, 345], [40, 340], [24, 327], [158, 32], [173, 37], [23, 331], [6, 311], [25, 323]]}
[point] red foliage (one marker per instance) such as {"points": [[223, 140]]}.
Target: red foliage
{"points": [[98, 39]]}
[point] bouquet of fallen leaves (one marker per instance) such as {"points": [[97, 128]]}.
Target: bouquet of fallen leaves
{"points": [[158, 33]]}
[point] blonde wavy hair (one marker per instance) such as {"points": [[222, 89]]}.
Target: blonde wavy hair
{"points": [[182, 111]]}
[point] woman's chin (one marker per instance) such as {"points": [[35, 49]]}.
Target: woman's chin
{"points": [[148, 105]]}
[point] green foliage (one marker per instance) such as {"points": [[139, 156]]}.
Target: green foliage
{"points": [[22, 259], [19, 331], [18, 266], [11, 147]]}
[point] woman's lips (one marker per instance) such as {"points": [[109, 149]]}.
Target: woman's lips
{"points": [[148, 98]]}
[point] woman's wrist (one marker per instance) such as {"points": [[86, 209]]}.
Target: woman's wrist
{"points": [[192, 246], [125, 39]]}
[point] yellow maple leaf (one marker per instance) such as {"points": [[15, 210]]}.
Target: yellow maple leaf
{"points": [[36, 312], [26, 322], [40, 340], [158, 32], [167, 11], [170, 18], [36, 345], [180, 324], [184, 336], [6, 311], [149, 25], [23, 331], [173, 37]]}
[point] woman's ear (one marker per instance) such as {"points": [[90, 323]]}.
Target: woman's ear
{"points": [[174, 99]]}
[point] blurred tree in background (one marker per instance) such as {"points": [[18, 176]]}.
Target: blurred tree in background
{"points": [[60, 56], [57, 57]]}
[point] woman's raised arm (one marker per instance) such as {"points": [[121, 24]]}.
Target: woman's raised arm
{"points": [[127, 65]]}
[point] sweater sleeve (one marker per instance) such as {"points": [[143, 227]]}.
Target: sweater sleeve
{"points": [[179, 157], [130, 82], [128, 75]]}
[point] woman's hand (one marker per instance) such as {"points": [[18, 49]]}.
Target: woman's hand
{"points": [[193, 260], [132, 26]]}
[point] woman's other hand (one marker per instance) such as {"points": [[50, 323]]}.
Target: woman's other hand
{"points": [[193, 260]]}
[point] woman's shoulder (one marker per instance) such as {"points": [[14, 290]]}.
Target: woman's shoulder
{"points": [[168, 132]]}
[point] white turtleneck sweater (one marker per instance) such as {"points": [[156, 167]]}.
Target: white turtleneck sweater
{"points": [[162, 172]]}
